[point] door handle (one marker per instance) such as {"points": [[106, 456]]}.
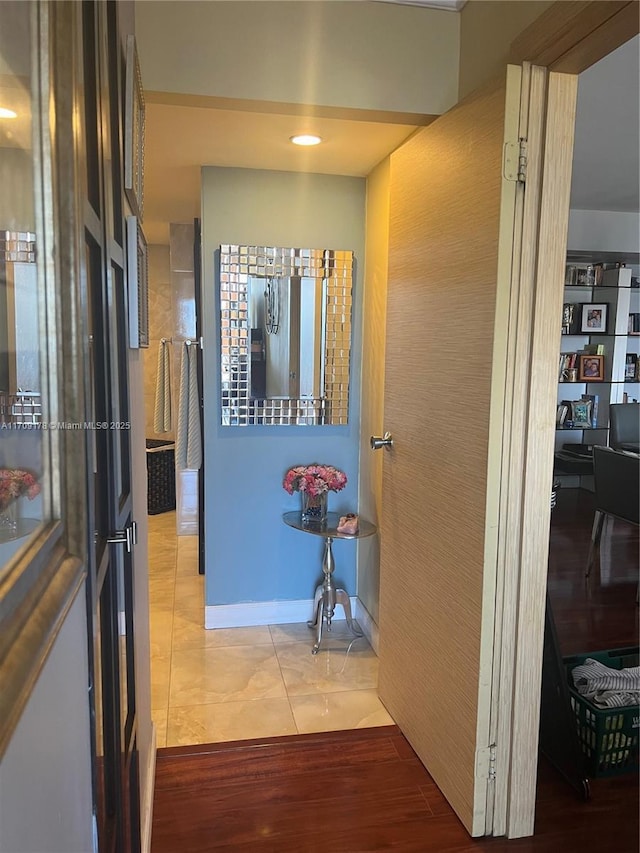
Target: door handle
{"points": [[386, 441], [128, 537]]}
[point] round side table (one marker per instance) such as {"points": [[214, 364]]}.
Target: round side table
{"points": [[326, 595]]}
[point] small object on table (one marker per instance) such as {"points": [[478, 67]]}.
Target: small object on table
{"points": [[326, 595], [348, 523]]}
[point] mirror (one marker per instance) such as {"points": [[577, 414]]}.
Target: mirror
{"points": [[285, 335]]}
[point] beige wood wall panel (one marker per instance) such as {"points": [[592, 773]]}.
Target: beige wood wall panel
{"points": [[444, 223], [545, 348], [558, 31]]}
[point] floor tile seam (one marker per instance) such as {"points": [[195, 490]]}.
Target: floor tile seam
{"points": [[222, 701], [285, 641], [284, 683], [334, 692], [168, 688], [191, 600], [160, 551], [188, 611], [229, 646], [324, 649], [171, 648], [230, 702], [213, 648]]}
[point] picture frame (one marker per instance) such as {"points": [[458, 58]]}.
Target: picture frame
{"points": [[569, 275], [570, 318], [134, 131], [591, 368], [580, 275], [138, 284], [594, 318], [581, 414]]}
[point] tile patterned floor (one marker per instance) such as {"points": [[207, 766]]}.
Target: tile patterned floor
{"points": [[235, 683]]}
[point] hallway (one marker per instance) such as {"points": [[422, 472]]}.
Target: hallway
{"points": [[237, 683]]}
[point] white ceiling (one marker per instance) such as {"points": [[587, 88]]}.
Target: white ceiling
{"points": [[182, 138]]}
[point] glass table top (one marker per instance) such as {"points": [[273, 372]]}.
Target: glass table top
{"points": [[328, 529]]}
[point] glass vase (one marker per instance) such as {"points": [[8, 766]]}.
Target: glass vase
{"points": [[314, 508], [9, 521]]}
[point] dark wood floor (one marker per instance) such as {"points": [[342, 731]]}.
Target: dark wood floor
{"points": [[598, 613], [365, 790]]}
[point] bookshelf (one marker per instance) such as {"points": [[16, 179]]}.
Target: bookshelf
{"points": [[599, 360]]}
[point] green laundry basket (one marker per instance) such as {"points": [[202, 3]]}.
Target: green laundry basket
{"points": [[608, 736]]}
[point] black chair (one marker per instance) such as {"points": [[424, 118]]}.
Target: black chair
{"points": [[617, 485], [624, 426]]}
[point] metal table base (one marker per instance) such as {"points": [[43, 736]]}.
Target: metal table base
{"points": [[327, 596]]}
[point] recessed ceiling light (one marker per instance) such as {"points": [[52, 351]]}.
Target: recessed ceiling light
{"points": [[5, 113], [306, 139]]}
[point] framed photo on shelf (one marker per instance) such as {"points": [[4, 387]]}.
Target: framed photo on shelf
{"points": [[581, 411], [580, 275], [594, 318], [570, 318], [631, 367], [569, 275], [591, 368]]}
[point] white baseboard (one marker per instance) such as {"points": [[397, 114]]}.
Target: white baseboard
{"points": [[187, 528], [366, 622], [264, 613], [146, 810]]}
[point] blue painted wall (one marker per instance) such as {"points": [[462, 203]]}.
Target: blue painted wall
{"points": [[251, 555]]}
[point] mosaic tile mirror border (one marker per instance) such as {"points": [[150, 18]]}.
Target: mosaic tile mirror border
{"points": [[239, 265]]}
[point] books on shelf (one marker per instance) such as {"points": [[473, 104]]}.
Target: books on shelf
{"points": [[568, 362], [577, 367], [634, 324]]}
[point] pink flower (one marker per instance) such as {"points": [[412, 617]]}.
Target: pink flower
{"points": [[15, 482], [314, 479]]}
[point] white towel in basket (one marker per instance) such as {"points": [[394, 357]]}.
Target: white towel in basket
{"points": [[606, 687], [188, 437], [162, 410]]}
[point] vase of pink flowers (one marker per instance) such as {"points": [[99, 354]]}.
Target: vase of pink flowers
{"points": [[314, 482], [14, 483]]}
